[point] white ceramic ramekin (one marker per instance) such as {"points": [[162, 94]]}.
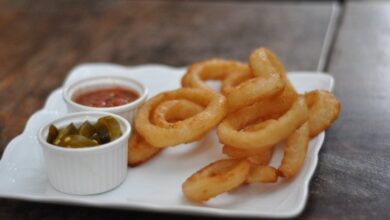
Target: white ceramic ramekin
{"points": [[85, 171], [103, 82]]}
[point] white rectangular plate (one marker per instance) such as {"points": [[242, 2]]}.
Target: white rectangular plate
{"points": [[156, 185]]}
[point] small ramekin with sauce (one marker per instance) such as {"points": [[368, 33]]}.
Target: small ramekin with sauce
{"points": [[115, 94]]}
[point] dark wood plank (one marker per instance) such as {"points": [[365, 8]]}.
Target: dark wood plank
{"points": [[353, 177], [41, 41]]}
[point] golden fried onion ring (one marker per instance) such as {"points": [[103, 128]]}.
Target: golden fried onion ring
{"points": [[262, 174], [234, 80], [213, 69], [262, 155], [139, 151], [269, 80], [254, 156], [295, 152], [230, 133], [324, 109], [186, 130], [216, 178], [169, 112]]}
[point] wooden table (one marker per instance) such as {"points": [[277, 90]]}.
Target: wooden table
{"points": [[41, 41]]}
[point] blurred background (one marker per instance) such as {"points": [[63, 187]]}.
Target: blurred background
{"points": [[41, 41]]}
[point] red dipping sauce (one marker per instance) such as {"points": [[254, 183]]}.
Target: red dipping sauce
{"points": [[107, 97]]}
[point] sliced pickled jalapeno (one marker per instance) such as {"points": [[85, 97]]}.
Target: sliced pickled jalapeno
{"points": [[113, 126], [53, 133], [103, 131], [78, 141], [87, 129], [68, 130], [96, 138]]}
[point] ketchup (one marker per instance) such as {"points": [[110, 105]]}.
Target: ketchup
{"points": [[107, 97]]}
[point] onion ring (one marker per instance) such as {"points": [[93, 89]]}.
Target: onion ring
{"points": [[257, 157], [186, 130], [253, 90], [229, 132], [262, 174], [262, 158], [213, 69], [169, 112], [262, 62], [234, 80], [269, 80], [235, 152], [295, 152], [324, 109], [139, 151], [216, 178]]}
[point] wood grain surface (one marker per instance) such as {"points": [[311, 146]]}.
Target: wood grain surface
{"points": [[353, 177], [41, 41]]}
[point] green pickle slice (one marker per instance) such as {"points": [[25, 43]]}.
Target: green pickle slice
{"points": [[102, 134], [53, 133], [87, 129], [78, 141], [64, 132], [113, 126]]}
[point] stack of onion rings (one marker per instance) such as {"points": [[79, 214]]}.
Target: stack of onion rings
{"points": [[257, 109], [264, 110]]}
